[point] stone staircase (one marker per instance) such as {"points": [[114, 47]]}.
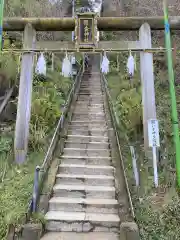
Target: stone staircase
{"points": [[84, 204]]}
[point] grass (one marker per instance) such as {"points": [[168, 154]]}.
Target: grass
{"points": [[16, 191]]}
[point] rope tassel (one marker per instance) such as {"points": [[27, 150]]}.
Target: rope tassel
{"points": [[41, 65], [105, 64], [66, 67]]}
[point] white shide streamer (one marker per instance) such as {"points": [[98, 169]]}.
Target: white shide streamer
{"points": [[130, 65], [66, 67], [105, 64], [41, 65]]}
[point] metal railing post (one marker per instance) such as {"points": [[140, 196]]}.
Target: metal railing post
{"points": [[35, 188]]}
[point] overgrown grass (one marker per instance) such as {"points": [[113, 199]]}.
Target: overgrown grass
{"points": [[157, 210]]}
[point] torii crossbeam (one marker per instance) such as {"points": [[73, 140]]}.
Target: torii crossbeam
{"points": [[103, 23]]}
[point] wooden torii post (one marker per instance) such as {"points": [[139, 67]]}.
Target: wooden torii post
{"points": [[144, 45], [147, 81], [24, 99]]}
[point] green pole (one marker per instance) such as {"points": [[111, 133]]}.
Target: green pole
{"points": [[1, 21], [172, 91]]}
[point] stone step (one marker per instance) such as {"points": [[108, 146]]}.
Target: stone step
{"points": [[90, 83], [86, 169], [90, 132], [93, 94], [95, 123], [89, 111], [86, 139], [87, 127], [79, 152], [81, 104], [80, 236], [88, 102], [79, 221], [101, 161], [78, 179], [88, 117], [84, 191], [91, 145], [91, 88], [84, 91], [86, 113], [91, 107], [82, 107], [86, 205], [90, 99]]}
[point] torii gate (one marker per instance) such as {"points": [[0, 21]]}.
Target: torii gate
{"points": [[80, 24]]}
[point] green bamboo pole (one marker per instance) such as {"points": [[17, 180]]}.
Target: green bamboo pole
{"points": [[172, 91], [1, 21]]}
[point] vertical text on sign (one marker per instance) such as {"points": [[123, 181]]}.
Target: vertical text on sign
{"points": [[153, 133]]}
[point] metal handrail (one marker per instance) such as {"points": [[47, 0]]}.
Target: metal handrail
{"points": [[116, 124], [42, 168]]}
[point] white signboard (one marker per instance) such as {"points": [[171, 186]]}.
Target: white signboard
{"points": [[153, 133]]}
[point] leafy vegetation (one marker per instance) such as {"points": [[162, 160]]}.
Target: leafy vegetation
{"points": [[156, 209], [16, 181]]}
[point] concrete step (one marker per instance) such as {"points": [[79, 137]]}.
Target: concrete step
{"points": [[86, 161], [84, 191], [90, 83], [86, 205], [89, 111], [91, 145], [86, 139], [89, 108], [78, 179], [91, 94], [88, 117], [87, 127], [90, 99], [79, 221], [86, 169], [83, 105], [95, 91], [91, 89], [87, 152], [88, 102], [90, 132], [94, 123], [81, 236]]}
